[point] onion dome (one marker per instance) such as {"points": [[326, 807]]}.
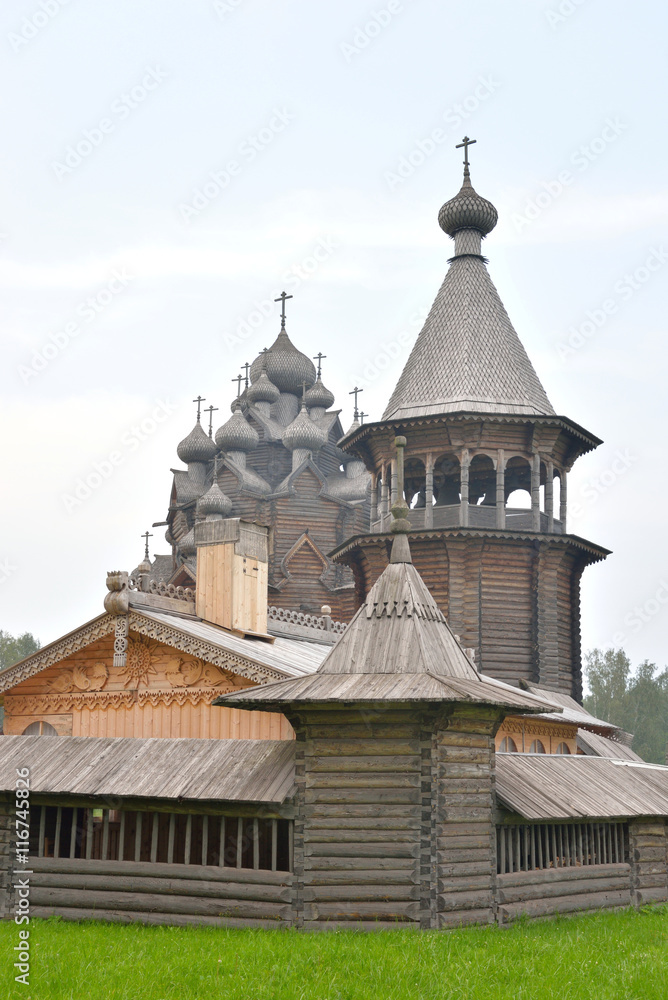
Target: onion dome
{"points": [[144, 567], [285, 366], [197, 447], [303, 433], [187, 545], [237, 434], [214, 501], [318, 395], [467, 210], [262, 391]]}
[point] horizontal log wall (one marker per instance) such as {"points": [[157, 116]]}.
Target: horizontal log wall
{"points": [[464, 830], [562, 890], [126, 891], [358, 839], [648, 845]]}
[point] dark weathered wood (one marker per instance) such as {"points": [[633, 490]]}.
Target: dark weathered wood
{"points": [[158, 903], [161, 870], [565, 904], [173, 919], [172, 887]]}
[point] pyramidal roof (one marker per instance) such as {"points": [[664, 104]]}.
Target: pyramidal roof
{"points": [[468, 357], [397, 648]]}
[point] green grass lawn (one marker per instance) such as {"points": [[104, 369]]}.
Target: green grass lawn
{"points": [[603, 956]]}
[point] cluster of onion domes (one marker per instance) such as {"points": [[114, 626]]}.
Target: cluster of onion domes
{"points": [[467, 210], [286, 367], [237, 434], [304, 433], [196, 447]]}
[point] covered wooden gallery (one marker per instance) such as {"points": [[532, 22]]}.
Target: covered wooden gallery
{"points": [[390, 806]]}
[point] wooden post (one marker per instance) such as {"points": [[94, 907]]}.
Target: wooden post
{"points": [[374, 499], [256, 843], [105, 834], [89, 834], [221, 843], [121, 837], [138, 826], [535, 493], [73, 833], [464, 488], [291, 845], [500, 489], [42, 830], [563, 502], [56, 842], [154, 838], [274, 844], [429, 492], [189, 836], [170, 838], [384, 500], [205, 839], [393, 483], [549, 496], [240, 841]]}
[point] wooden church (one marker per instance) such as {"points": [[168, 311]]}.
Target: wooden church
{"points": [[350, 696]]}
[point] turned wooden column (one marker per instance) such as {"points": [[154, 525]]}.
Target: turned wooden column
{"points": [[563, 501], [500, 490], [464, 487], [429, 492], [535, 493], [549, 496], [374, 498]]}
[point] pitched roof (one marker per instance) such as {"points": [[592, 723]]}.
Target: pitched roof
{"points": [[244, 655], [546, 787], [468, 356], [398, 647], [183, 769], [594, 745]]}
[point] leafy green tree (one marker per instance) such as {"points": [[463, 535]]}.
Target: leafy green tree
{"points": [[636, 702], [15, 648]]}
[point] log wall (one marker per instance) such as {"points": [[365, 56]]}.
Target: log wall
{"points": [[562, 890], [647, 847]]}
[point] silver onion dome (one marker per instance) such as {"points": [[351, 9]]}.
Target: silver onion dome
{"points": [[285, 366], [214, 501], [197, 447], [467, 210], [262, 391], [319, 395], [237, 434], [303, 433], [187, 546]]}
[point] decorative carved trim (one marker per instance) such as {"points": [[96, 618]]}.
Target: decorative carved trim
{"points": [[204, 650], [121, 641], [139, 665], [324, 624], [163, 589], [304, 539], [515, 726], [55, 704], [90, 678], [57, 651], [182, 673]]}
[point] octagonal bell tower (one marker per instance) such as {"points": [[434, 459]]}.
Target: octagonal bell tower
{"points": [[487, 466]]}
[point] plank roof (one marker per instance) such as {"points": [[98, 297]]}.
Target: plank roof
{"points": [[595, 745], [542, 787], [169, 769]]}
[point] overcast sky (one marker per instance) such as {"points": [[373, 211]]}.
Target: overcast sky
{"points": [[168, 167]]}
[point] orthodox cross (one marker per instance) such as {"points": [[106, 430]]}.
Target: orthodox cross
{"points": [[199, 401], [146, 537], [355, 393], [282, 298], [211, 410], [362, 416], [318, 357], [246, 367], [466, 143], [239, 379]]}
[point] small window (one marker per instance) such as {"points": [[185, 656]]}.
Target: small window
{"points": [[39, 729], [536, 747], [508, 745], [563, 748]]}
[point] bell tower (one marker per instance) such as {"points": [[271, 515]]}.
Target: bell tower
{"points": [[487, 466]]}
